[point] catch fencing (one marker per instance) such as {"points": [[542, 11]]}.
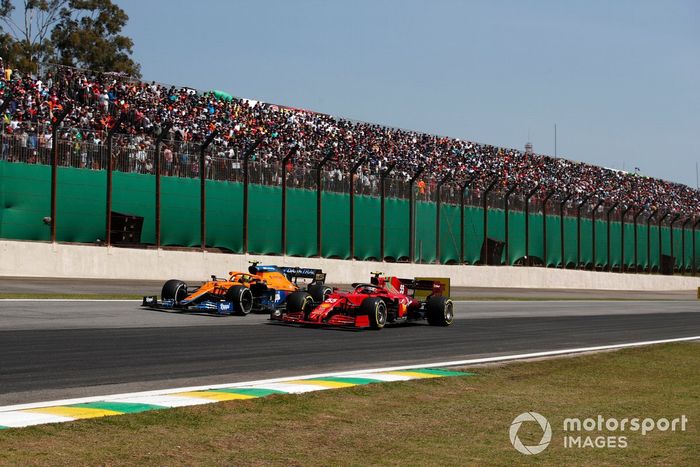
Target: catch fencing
{"points": [[239, 200]]}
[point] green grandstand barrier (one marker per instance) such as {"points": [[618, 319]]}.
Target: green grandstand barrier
{"points": [[425, 231], [677, 245], [497, 226], [654, 244], [570, 242], [179, 211], [264, 218], [629, 245], [80, 205], [536, 250], [397, 229], [135, 194], [335, 225], [586, 241], [449, 234], [473, 234], [367, 222], [665, 240], [301, 223], [615, 242], [601, 243], [224, 215], [516, 236], [642, 245], [688, 256], [25, 201], [553, 242]]}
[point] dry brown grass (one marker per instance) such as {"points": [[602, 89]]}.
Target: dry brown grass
{"points": [[448, 421]]}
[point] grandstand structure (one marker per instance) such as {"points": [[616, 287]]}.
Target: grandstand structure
{"points": [[207, 170]]}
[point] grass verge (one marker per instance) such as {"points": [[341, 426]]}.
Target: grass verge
{"points": [[447, 421]]}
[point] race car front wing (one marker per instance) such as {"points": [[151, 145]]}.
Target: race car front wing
{"points": [[221, 307]]}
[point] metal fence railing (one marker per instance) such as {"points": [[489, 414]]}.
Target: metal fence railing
{"points": [[620, 237]]}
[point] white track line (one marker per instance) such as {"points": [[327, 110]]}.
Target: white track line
{"points": [[365, 372], [87, 300]]}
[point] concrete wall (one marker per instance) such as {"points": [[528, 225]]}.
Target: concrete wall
{"points": [[39, 259]]}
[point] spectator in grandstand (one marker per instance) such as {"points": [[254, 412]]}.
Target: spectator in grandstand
{"points": [[167, 161], [98, 100]]}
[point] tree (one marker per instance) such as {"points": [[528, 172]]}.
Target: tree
{"points": [[88, 36], [78, 33], [27, 42]]}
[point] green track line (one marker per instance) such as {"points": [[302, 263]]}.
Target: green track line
{"points": [[121, 407], [255, 392]]}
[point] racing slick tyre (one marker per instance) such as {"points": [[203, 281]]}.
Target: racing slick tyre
{"points": [[319, 293], [300, 302], [375, 308], [174, 289], [440, 311], [242, 299]]}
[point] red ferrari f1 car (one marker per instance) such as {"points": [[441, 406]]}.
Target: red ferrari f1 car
{"points": [[385, 300]]}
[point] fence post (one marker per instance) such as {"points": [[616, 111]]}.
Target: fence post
{"points": [[673, 221], [507, 222], [622, 238], [285, 161], [683, 244], [527, 223], [608, 266], [55, 123], [463, 187], [485, 203], [661, 219], [353, 171], [649, 238], [593, 237], [319, 204], [203, 189], [156, 166], [695, 228], [246, 158], [561, 228], [636, 240], [412, 216], [437, 217], [578, 230], [110, 168], [544, 227], [382, 213]]}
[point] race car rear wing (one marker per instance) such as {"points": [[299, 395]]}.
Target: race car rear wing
{"points": [[316, 275], [291, 273], [425, 286]]}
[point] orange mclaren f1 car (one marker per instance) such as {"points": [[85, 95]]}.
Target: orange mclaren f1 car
{"points": [[262, 288]]}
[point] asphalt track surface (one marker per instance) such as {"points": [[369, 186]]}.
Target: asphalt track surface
{"points": [[52, 285], [63, 349]]}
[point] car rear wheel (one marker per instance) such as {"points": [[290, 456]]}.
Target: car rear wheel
{"points": [[319, 292], [375, 308], [174, 289], [440, 311], [242, 299]]}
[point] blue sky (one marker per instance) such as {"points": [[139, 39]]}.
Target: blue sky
{"points": [[621, 79]]}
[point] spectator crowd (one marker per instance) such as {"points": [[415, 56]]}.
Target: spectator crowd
{"points": [[29, 103]]}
